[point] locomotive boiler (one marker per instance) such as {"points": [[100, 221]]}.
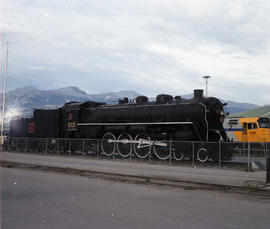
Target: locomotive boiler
{"points": [[137, 126]]}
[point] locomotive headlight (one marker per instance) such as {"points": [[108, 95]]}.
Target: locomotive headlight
{"points": [[220, 113]]}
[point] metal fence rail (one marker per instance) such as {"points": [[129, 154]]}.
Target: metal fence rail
{"points": [[142, 148]]}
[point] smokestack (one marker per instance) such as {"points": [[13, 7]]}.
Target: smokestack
{"points": [[198, 94]]}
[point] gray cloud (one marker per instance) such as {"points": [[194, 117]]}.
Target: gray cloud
{"points": [[150, 46]]}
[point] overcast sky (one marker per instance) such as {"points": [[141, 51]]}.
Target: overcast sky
{"points": [[150, 46]]}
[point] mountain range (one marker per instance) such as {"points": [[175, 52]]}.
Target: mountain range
{"points": [[22, 101], [263, 111]]}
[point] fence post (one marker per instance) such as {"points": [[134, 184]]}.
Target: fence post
{"points": [[69, 150], [57, 146], [264, 151], [26, 145], [170, 152], [17, 144], [268, 170], [114, 150], [8, 143], [150, 154], [130, 156], [83, 146], [219, 154], [193, 149], [98, 148], [46, 146], [248, 156]]}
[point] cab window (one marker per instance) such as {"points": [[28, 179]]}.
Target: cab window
{"points": [[252, 126], [264, 125]]}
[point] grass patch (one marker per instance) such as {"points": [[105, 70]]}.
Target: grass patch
{"points": [[189, 188], [250, 170], [9, 165]]}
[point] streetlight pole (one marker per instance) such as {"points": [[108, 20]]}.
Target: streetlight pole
{"points": [[206, 82], [4, 100]]}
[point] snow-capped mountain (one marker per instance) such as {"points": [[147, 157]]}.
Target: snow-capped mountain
{"points": [[22, 101]]}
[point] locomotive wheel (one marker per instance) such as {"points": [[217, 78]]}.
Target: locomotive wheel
{"points": [[124, 148], [162, 152], [180, 150], [178, 155], [202, 155], [142, 150], [107, 147]]}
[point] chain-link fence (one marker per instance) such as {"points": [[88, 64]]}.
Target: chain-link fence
{"points": [[234, 154]]}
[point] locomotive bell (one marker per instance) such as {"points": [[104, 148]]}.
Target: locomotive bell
{"points": [[198, 94]]}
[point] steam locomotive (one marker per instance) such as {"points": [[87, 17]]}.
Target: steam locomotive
{"points": [[137, 126]]}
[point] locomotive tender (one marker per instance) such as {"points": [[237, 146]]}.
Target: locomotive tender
{"points": [[138, 126]]}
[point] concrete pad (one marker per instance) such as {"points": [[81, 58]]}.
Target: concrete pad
{"points": [[213, 176]]}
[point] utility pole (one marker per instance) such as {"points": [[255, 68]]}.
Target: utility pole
{"points": [[206, 82], [4, 100]]}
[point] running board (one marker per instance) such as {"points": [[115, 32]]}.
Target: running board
{"points": [[134, 123]]}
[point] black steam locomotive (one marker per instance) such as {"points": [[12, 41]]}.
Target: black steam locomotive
{"points": [[137, 127]]}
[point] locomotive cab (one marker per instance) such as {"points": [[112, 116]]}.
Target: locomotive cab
{"points": [[248, 129], [73, 113], [71, 118]]}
